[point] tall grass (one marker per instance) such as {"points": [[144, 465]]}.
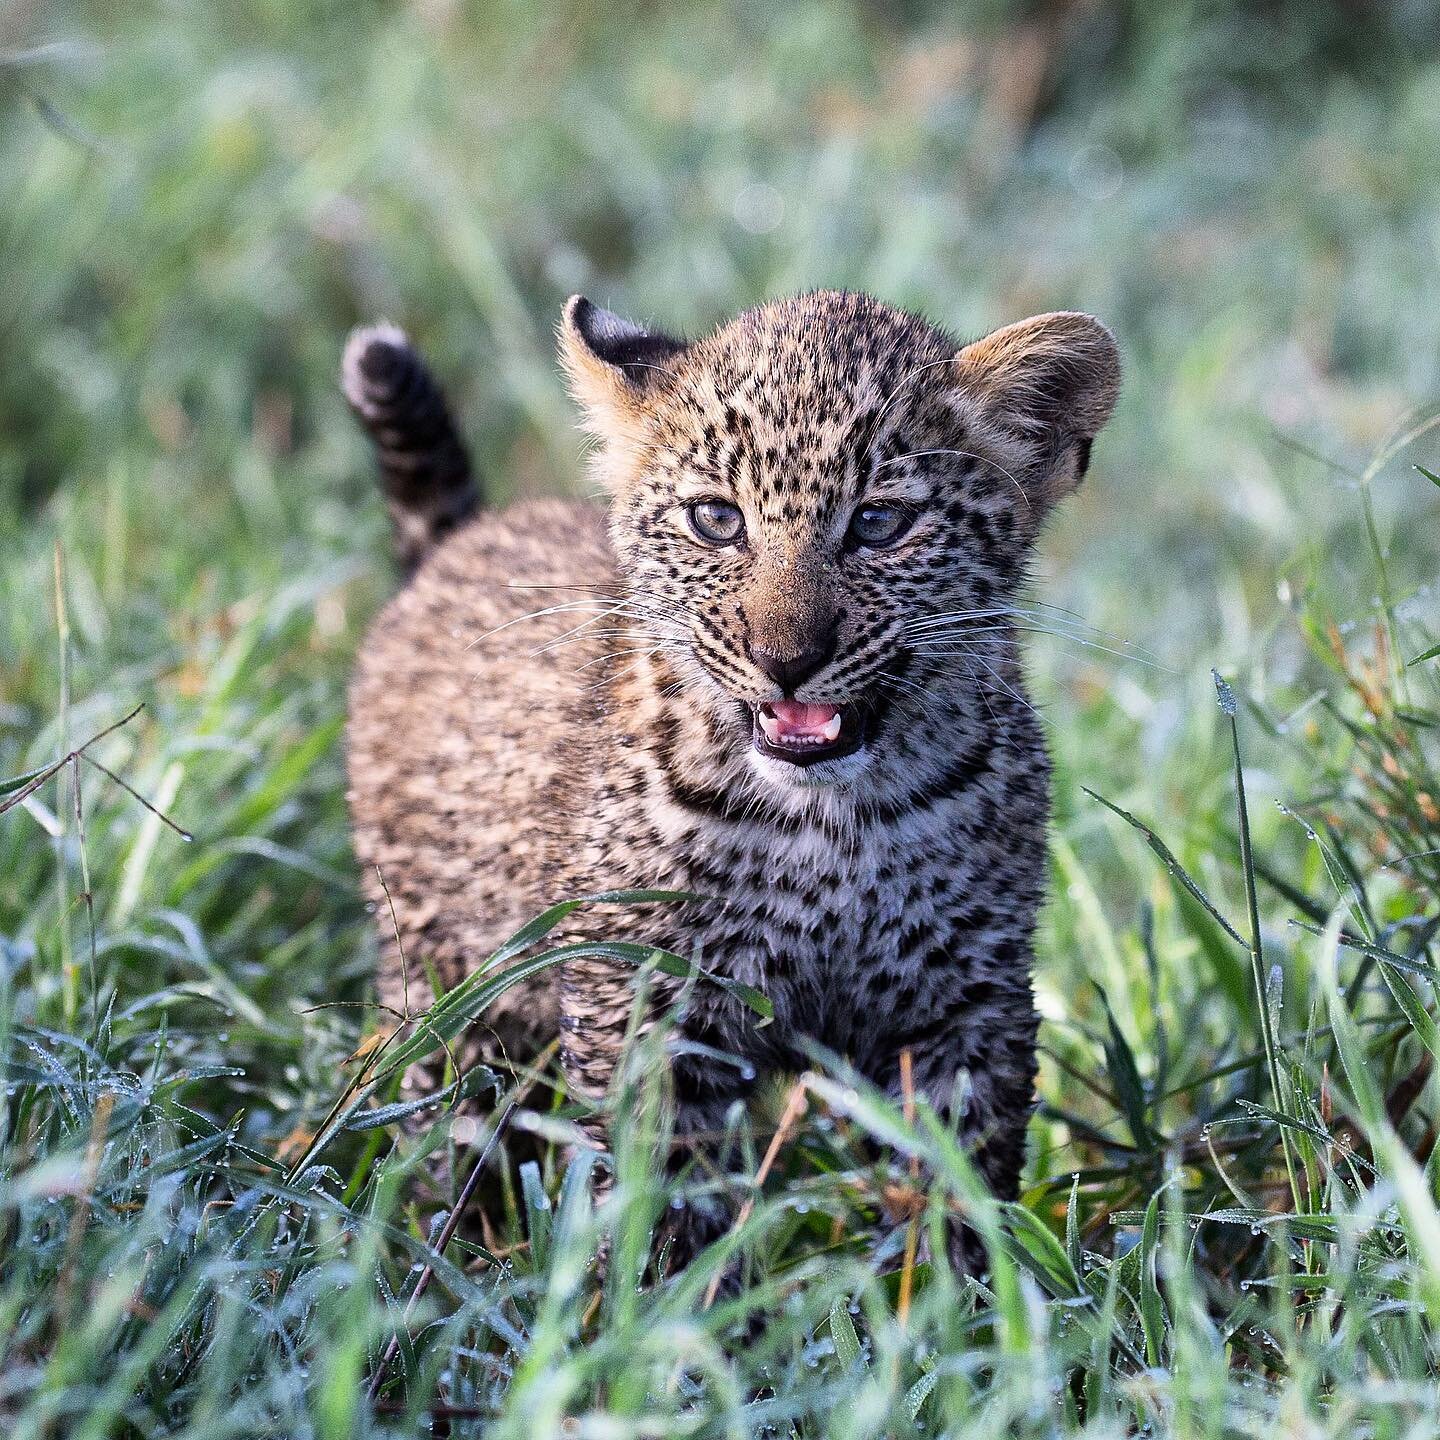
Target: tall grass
{"points": [[1232, 1222]]}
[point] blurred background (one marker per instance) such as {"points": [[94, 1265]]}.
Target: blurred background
{"points": [[199, 200]]}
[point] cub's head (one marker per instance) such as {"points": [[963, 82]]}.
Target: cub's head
{"points": [[822, 509]]}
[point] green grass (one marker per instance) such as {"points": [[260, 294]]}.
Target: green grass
{"points": [[1231, 1225]]}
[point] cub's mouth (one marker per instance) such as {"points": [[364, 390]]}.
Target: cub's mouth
{"points": [[805, 734]]}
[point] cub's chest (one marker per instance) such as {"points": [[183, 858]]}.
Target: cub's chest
{"points": [[847, 928], [817, 921]]}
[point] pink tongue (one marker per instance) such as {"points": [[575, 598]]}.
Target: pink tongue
{"points": [[798, 718]]}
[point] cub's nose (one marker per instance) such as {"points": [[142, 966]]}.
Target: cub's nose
{"points": [[790, 672]]}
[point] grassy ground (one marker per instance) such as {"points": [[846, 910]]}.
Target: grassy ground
{"points": [[1231, 1227]]}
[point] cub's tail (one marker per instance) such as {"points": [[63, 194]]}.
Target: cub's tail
{"points": [[425, 470]]}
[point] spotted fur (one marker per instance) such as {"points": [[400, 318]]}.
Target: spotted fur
{"points": [[560, 703]]}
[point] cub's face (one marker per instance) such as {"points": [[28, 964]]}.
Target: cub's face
{"points": [[823, 510]]}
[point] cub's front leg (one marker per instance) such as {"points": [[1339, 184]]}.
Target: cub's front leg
{"points": [[715, 1064], [706, 1077], [972, 1059]]}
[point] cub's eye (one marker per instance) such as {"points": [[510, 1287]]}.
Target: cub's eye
{"points": [[716, 522], [876, 526]]}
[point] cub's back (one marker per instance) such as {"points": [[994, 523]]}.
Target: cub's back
{"points": [[456, 741]]}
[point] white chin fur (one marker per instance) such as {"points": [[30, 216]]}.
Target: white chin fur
{"points": [[821, 775]]}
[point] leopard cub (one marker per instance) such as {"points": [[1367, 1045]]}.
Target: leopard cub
{"points": [[778, 671]]}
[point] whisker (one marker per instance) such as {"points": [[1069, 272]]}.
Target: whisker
{"points": [[939, 644], [963, 455], [568, 606], [938, 636], [1008, 613], [1075, 630], [1005, 687], [905, 380], [619, 654], [615, 592], [575, 633], [621, 674], [1140, 657], [981, 690], [956, 617], [637, 629], [1034, 610], [906, 683]]}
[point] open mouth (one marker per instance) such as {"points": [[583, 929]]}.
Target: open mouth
{"points": [[805, 734]]}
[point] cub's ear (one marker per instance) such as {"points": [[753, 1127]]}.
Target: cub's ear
{"points": [[1053, 378], [612, 365]]}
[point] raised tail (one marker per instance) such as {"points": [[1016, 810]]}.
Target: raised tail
{"points": [[425, 470]]}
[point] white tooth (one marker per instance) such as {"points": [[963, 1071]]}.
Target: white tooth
{"points": [[831, 732], [771, 727]]}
